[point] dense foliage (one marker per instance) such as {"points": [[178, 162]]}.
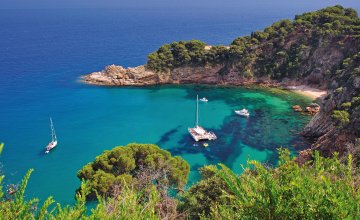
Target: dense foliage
{"points": [[147, 202], [128, 204], [182, 53], [282, 50], [325, 188], [136, 165], [205, 195], [322, 189]]}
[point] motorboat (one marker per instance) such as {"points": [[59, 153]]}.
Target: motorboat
{"points": [[243, 112]]}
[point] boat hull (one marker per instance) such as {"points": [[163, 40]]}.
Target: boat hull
{"points": [[50, 146], [204, 135], [244, 114]]}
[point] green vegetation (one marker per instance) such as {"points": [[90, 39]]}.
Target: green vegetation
{"points": [[136, 165], [281, 50], [346, 105], [339, 90], [183, 53], [341, 116], [127, 205], [324, 188], [205, 195], [347, 75]]}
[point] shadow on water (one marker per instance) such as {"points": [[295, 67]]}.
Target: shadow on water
{"points": [[166, 137]]}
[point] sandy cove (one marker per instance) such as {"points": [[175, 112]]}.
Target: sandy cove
{"points": [[308, 91]]}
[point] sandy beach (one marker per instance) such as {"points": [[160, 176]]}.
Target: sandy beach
{"points": [[308, 91]]}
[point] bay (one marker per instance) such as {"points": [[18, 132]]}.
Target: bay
{"points": [[44, 52]]}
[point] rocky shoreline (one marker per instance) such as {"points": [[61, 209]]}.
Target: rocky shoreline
{"points": [[114, 75]]}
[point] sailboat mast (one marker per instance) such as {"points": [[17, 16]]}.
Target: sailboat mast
{"points": [[53, 135], [197, 110]]}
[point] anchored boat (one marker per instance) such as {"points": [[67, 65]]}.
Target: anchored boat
{"points": [[204, 99], [53, 142], [243, 112], [199, 133]]}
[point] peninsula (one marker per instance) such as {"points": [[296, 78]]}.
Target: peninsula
{"points": [[318, 50]]}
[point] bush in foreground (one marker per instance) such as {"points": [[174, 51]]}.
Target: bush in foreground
{"points": [[138, 165], [325, 188]]}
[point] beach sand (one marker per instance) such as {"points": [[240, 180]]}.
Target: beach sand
{"points": [[308, 91]]}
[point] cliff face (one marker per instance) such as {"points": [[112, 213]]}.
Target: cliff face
{"points": [[140, 76], [320, 49], [337, 126]]}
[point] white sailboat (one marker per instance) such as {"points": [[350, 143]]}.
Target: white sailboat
{"points": [[53, 142], [198, 132]]}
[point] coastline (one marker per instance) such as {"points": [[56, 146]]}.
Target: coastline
{"points": [[117, 76]]}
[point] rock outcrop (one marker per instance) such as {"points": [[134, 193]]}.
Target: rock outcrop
{"points": [[114, 75], [297, 108]]}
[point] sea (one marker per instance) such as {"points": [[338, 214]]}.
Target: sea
{"points": [[45, 51]]}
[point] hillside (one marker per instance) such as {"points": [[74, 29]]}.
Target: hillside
{"points": [[320, 49]]}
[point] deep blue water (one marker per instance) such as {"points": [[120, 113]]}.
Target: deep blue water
{"points": [[43, 52]]}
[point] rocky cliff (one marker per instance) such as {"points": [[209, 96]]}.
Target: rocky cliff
{"points": [[337, 126], [140, 76]]}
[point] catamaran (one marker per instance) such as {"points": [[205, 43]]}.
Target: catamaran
{"points": [[53, 142], [198, 132]]}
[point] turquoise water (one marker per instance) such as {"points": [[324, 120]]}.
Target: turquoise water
{"points": [[102, 118], [45, 51]]}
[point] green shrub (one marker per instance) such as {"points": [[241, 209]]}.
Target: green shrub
{"points": [[339, 90], [205, 195], [341, 116], [346, 105], [135, 165], [323, 189], [355, 100]]}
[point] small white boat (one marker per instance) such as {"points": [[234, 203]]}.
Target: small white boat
{"points": [[53, 142], [203, 99], [243, 112]]}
